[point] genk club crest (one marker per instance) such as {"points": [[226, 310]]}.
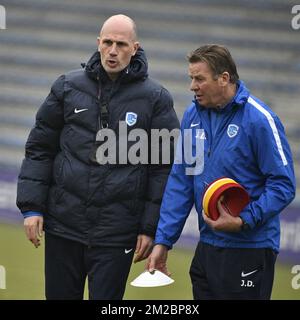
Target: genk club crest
{"points": [[131, 118], [232, 130]]}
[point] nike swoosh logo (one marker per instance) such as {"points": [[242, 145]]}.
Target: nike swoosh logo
{"points": [[128, 250], [247, 274], [79, 110], [194, 124]]}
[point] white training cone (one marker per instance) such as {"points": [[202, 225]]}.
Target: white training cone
{"points": [[155, 279]]}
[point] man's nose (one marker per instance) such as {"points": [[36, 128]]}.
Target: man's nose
{"points": [[193, 86], [113, 50]]}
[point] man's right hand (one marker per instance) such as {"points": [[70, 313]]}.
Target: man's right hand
{"points": [[158, 259], [34, 229]]}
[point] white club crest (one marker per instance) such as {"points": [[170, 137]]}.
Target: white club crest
{"points": [[131, 118], [232, 130]]}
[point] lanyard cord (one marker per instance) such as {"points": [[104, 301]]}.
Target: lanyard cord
{"points": [[103, 115], [103, 121]]}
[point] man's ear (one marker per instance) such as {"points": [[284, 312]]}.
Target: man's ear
{"points": [[136, 46], [224, 79], [98, 43]]}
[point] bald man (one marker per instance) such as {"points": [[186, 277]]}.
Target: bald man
{"points": [[96, 215], [117, 44]]}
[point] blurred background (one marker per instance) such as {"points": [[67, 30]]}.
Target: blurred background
{"points": [[46, 38]]}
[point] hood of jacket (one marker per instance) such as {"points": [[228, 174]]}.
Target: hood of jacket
{"points": [[136, 70]]}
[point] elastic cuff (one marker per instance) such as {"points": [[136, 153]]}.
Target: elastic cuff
{"points": [[147, 233], [246, 216], [165, 243], [27, 214]]}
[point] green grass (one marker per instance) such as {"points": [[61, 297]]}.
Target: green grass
{"points": [[25, 267]]}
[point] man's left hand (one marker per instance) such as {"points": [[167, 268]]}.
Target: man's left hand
{"points": [[143, 247], [226, 222]]}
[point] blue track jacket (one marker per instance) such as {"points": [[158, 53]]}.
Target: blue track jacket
{"points": [[244, 141]]}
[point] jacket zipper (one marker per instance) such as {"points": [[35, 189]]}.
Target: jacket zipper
{"points": [[208, 130], [98, 101], [213, 137]]}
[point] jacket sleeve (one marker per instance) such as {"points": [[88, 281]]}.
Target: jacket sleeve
{"points": [[275, 162], [164, 117], [178, 199], [40, 150]]}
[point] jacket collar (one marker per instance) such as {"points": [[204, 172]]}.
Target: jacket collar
{"points": [[136, 70], [239, 99]]}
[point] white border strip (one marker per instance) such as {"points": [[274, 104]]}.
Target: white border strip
{"points": [[273, 127]]}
